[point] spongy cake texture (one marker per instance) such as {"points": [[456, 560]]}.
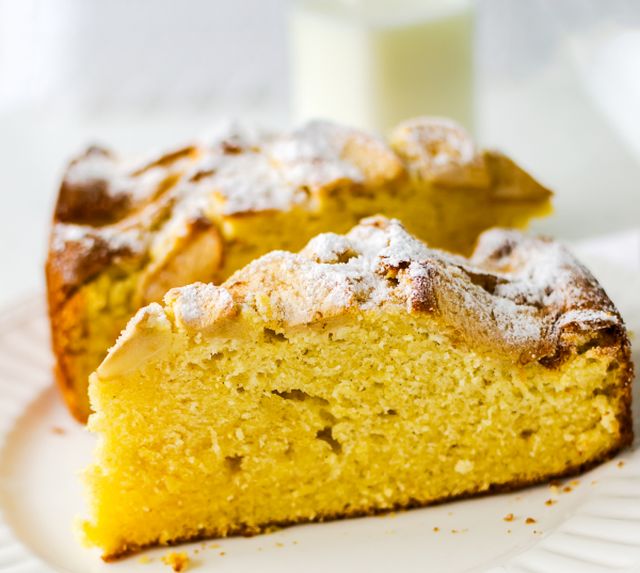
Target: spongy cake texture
{"points": [[366, 373], [125, 231]]}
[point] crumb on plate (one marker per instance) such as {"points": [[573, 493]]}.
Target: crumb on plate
{"points": [[177, 561]]}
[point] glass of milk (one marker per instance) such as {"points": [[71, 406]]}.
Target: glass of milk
{"points": [[373, 63]]}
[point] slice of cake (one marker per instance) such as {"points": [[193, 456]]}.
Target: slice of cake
{"points": [[364, 374], [126, 232]]}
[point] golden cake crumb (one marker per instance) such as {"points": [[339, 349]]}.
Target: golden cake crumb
{"points": [[509, 517], [530, 520], [551, 502], [567, 489], [436, 529], [144, 559], [620, 463], [58, 431], [177, 561]]}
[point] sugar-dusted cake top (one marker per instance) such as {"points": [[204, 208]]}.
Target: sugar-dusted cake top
{"points": [[110, 207], [524, 296]]}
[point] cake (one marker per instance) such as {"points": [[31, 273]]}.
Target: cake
{"points": [[125, 232], [364, 374]]}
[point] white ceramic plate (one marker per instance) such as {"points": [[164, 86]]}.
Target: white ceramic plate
{"points": [[595, 527]]}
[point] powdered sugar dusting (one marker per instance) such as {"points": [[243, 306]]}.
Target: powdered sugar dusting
{"points": [[240, 169], [516, 292], [435, 142], [243, 169], [86, 236], [313, 155], [199, 305], [329, 248], [248, 182], [94, 166]]}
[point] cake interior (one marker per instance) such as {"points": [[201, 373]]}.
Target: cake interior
{"points": [[205, 435]]}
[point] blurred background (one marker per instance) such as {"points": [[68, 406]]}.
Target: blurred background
{"points": [[554, 83]]}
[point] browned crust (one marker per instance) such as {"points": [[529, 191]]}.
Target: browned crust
{"points": [[168, 158], [68, 270], [624, 416], [59, 328], [56, 297], [626, 437], [65, 306], [90, 202]]}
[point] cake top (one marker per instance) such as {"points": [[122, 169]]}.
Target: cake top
{"points": [[239, 170], [110, 209], [520, 295]]}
